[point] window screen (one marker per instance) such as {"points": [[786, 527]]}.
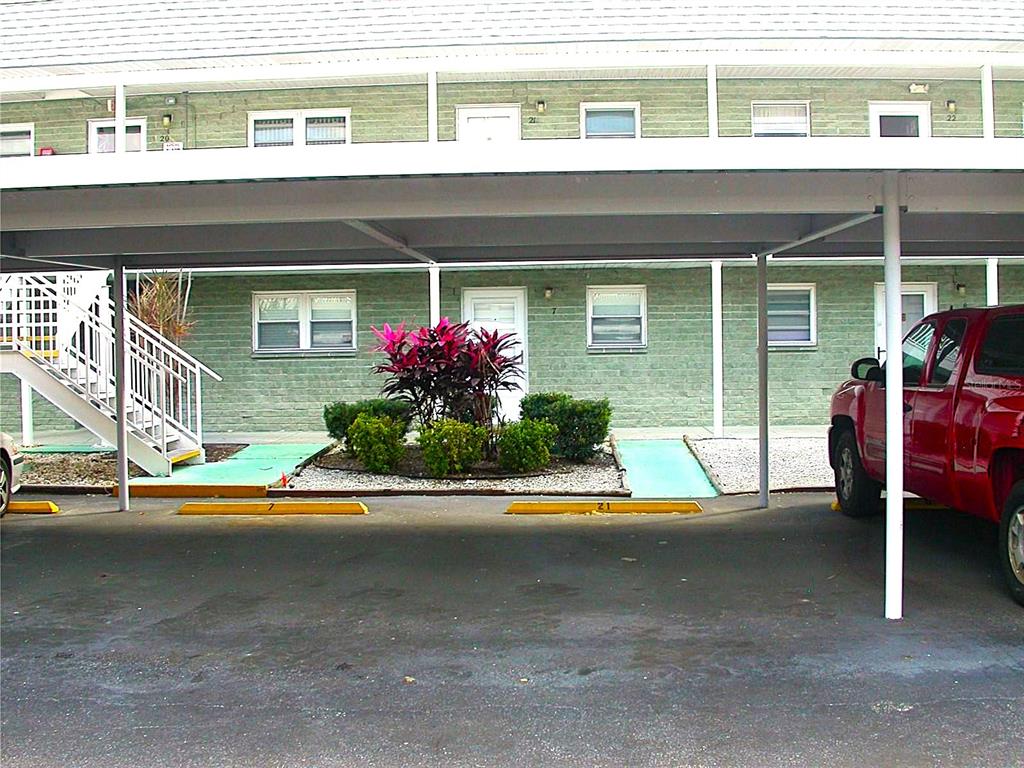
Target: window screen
{"points": [[790, 312], [278, 323], [617, 317], [330, 321], [779, 119], [610, 123], [1002, 349]]}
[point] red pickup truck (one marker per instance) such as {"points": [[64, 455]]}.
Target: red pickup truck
{"points": [[963, 424]]}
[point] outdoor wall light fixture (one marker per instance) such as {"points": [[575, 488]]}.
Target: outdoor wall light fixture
{"points": [[166, 120], [961, 289], [951, 107], [542, 106], [918, 88], [170, 101], [549, 292]]}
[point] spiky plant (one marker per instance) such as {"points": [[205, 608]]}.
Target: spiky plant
{"points": [[161, 302]]}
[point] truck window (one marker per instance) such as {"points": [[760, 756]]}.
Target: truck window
{"points": [[915, 352], [947, 353], [1002, 350]]}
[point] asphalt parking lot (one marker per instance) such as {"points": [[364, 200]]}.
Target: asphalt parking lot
{"points": [[439, 632]]}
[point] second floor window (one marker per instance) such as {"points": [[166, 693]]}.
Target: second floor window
{"points": [[101, 135], [900, 119], [780, 118], [610, 120], [303, 127], [16, 140]]}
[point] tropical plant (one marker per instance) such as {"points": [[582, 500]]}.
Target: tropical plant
{"points": [[377, 441], [161, 302], [525, 446], [451, 447]]}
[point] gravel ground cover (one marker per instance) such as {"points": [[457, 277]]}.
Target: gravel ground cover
{"points": [[793, 462], [600, 475], [99, 469]]}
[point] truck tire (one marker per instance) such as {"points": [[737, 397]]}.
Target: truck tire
{"points": [[1011, 541], [858, 494]]}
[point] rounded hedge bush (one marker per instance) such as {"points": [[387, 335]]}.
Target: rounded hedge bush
{"points": [[451, 447], [525, 446], [339, 416], [582, 424], [377, 441]]}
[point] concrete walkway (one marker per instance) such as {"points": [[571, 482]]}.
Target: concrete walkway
{"points": [[440, 632]]}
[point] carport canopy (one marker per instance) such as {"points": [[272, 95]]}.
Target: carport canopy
{"points": [[435, 222]]}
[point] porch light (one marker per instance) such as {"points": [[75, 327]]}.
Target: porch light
{"points": [[961, 289], [951, 107], [166, 120], [549, 292], [542, 106]]}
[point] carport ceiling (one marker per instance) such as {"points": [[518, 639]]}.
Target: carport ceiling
{"points": [[509, 239]]}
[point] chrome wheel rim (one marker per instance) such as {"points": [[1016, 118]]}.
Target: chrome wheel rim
{"points": [[5, 486], [1015, 544], [845, 473]]}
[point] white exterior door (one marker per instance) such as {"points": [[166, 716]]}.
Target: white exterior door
{"points": [[483, 124], [919, 300], [500, 309]]}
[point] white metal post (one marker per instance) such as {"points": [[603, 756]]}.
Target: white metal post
{"points": [[432, 106], [120, 385], [712, 74], [893, 398], [992, 281], [762, 376], [434, 278], [717, 352], [120, 140], [988, 111], [28, 432]]}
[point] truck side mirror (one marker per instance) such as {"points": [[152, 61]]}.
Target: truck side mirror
{"points": [[866, 369]]}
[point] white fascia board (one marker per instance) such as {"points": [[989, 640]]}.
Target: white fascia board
{"points": [[595, 56], [552, 156]]}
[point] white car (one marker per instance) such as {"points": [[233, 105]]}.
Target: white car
{"points": [[10, 470]]}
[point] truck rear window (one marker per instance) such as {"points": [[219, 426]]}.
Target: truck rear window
{"points": [[1002, 351]]}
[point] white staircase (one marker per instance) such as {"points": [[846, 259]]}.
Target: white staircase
{"points": [[57, 335]]}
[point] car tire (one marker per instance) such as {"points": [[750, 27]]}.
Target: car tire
{"points": [[5, 485], [1011, 541], [858, 494]]}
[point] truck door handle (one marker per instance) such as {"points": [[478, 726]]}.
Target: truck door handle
{"points": [[907, 407]]}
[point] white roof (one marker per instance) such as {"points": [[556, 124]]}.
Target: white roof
{"points": [[57, 36]]}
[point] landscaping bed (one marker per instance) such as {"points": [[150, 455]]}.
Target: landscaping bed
{"points": [[793, 463], [96, 469], [600, 475]]}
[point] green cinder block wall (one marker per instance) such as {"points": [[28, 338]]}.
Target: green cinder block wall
{"points": [[667, 107], [840, 107], [1008, 98]]}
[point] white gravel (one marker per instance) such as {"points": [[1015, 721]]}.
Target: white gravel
{"points": [[600, 476], [793, 462]]}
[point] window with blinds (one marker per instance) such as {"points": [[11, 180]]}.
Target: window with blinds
{"points": [[780, 118], [299, 127], [791, 315], [101, 135], [304, 321], [616, 316], [17, 140]]}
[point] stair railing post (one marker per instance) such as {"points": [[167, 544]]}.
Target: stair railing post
{"points": [[120, 388]]}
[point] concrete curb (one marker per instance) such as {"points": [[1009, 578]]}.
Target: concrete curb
{"points": [[712, 477]]}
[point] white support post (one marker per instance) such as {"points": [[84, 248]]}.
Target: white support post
{"points": [[894, 414], [762, 377], [992, 281], [988, 110], [28, 432], [712, 74], [432, 106], [717, 352], [434, 278], [120, 141], [120, 385]]}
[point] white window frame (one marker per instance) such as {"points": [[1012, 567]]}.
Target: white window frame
{"points": [[298, 117], [782, 103], [812, 290], [107, 122], [19, 127], [591, 290], [588, 105], [922, 110], [465, 109], [305, 329]]}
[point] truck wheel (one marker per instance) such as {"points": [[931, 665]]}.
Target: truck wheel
{"points": [[858, 494], [1011, 541]]}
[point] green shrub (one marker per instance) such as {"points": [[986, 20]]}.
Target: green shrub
{"points": [[581, 424], [377, 441], [339, 416], [525, 446], [451, 447]]}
